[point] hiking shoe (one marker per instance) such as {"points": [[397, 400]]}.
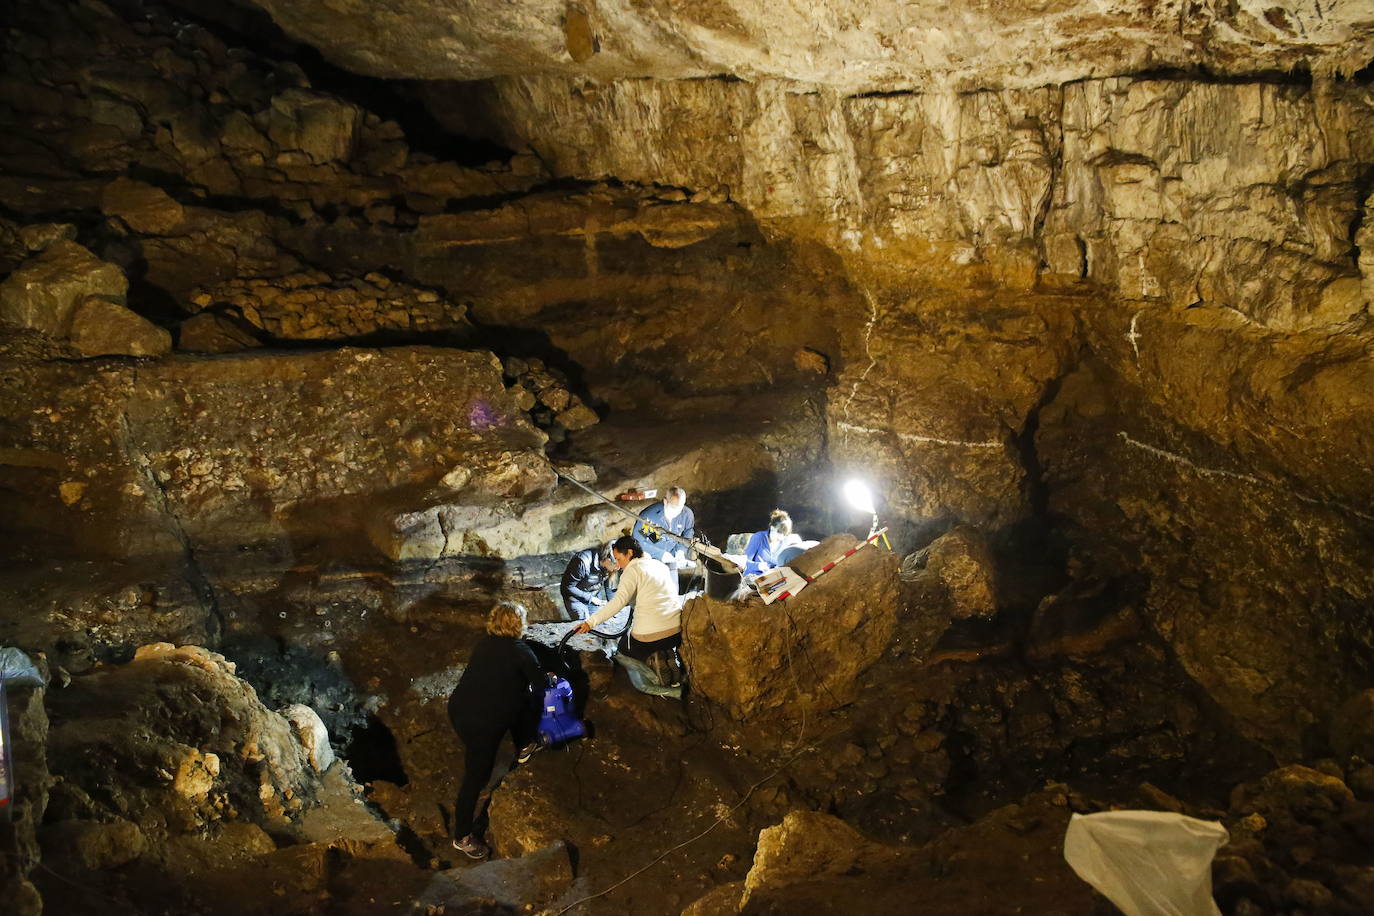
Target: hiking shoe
{"points": [[472, 847], [527, 752]]}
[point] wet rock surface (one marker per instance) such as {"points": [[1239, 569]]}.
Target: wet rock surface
{"points": [[1096, 333]]}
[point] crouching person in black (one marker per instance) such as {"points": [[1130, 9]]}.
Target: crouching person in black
{"points": [[584, 582], [501, 691]]}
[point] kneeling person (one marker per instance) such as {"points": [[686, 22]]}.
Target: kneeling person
{"points": [[583, 586], [651, 588]]}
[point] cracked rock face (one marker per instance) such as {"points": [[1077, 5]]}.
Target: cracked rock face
{"points": [[848, 46]]}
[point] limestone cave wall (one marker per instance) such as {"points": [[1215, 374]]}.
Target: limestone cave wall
{"points": [[1095, 323]]}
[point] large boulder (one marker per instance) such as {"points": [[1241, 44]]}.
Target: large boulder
{"points": [[959, 564], [806, 846], [321, 126], [143, 208], [44, 291], [215, 332], [172, 741], [104, 328], [300, 445], [800, 655]]}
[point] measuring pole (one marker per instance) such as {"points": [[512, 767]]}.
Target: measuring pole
{"points": [[697, 546]]}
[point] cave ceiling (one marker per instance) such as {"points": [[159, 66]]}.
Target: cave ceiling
{"points": [[850, 46]]}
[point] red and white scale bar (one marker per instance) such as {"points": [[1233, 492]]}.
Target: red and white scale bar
{"points": [[837, 561]]}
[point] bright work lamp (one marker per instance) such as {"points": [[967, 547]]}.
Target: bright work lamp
{"points": [[858, 495]]}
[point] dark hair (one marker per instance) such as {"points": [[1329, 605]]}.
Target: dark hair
{"points": [[628, 544], [780, 522]]}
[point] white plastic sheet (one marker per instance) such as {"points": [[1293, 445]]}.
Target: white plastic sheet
{"points": [[1148, 863]]}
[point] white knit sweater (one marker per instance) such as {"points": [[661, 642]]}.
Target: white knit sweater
{"points": [[652, 588]]}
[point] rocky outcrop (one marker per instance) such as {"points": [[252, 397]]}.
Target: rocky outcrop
{"points": [[817, 643], [853, 47], [1207, 433], [174, 764], [27, 736], [1131, 183], [227, 459], [315, 306], [1299, 842], [806, 846]]}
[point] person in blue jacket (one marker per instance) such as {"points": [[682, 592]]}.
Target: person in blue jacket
{"points": [[672, 515], [761, 553]]}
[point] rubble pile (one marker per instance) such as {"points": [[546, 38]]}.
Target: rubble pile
{"points": [[313, 305], [544, 391]]}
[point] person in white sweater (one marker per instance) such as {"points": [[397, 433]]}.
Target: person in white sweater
{"points": [[651, 588]]}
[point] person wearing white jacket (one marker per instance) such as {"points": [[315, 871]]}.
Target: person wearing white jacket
{"points": [[651, 588]]}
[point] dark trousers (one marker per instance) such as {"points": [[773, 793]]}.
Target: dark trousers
{"points": [[481, 745], [642, 650]]}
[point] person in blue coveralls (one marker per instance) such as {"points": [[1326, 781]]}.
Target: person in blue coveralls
{"points": [[671, 515], [761, 553]]}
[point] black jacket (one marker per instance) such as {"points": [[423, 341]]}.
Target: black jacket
{"points": [[584, 581], [502, 682]]}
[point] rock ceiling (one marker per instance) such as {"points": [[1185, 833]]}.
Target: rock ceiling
{"points": [[852, 46]]}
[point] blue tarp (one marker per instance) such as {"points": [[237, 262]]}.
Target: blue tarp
{"points": [[16, 669]]}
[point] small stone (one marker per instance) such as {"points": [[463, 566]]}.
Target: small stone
{"points": [[556, 399], [808, 360], [72, 491], [457, 478], [312, 734], [578, 417]]}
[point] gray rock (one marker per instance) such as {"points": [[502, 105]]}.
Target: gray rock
{"points": [[104, 328], [45, 291]]}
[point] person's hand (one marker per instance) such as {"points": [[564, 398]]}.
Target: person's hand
{"points": [[582, 627]]}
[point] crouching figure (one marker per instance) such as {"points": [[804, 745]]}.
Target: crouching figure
{"points": [[651, 589]]}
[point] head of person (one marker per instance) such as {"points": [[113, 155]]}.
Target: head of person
{"points": [[607, 558], [625, 549], [674, 499], [507, 619], [779, 524]]}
